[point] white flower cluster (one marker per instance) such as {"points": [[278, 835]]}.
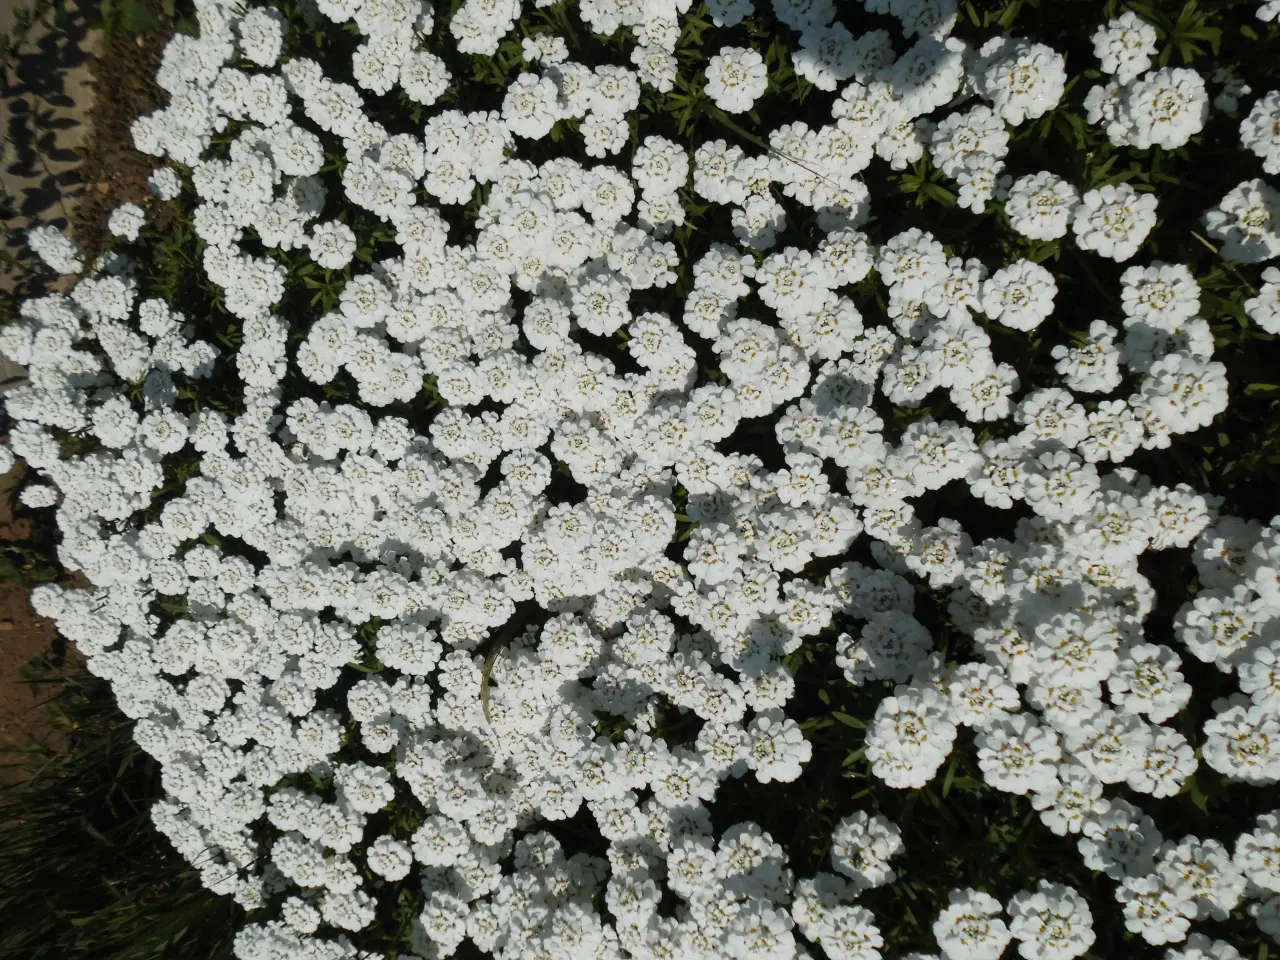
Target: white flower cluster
{"points": [[488, 622], [55, 249], [126, 221], [1051, 923], [1142, 107]]}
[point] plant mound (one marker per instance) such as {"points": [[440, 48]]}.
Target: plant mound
{"points": [[633, 479]]}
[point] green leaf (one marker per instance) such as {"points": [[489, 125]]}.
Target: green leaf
{"points": [[136, 18], [939, 193], [950, 777], [1254, 389], [849, 721], [1192, 789]]}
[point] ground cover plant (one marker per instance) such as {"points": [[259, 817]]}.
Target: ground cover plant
{"points": [[654, 479]]}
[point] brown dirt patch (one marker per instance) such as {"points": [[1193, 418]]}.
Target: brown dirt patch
{"points": [[23, 637], [111, 169]]}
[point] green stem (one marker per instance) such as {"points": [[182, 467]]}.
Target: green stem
{"points": [[723, 119], [1226, 263]]}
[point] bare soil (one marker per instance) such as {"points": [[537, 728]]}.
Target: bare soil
{"points": [[111, 169], [23, 637]]}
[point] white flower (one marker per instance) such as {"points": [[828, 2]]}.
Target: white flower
{"points": [[602, 133], [1244, 744], [1264, 309], [423, 77], [1164, 765], [1093, 367], [1041, 205], [1125, 45], [826, 56], [616, 91], [1020, 295], [803, 14], [1114, 220], [673, 574], [1053, 923], [1260, 131], [760, 930], [39, 496], [970, 928], [261, 32], [728, 13], [980, 180], [778, 750], [910, 737], [862, 846], [332, 244], [165, 183], [529, 107], [1022, 80], [546, 48], [736, 78], [1156, 912], [368, 789], [963, 134], [1161, 295], [1147, 680], [1164, 108], [1199, 947], [1247, 221], [126, 221], [389, 858], [980, 693], [656, 67], [1260, 677], [55, 248], [659, 166], [1257, 852], [1018, 755]]}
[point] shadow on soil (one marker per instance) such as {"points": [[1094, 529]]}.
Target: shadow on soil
{"points": [[43, 125]]}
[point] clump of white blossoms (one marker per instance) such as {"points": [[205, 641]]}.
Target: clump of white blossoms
{"points": [[1124, 46], [1162, 108], [332, 244], [1051, 923], [58, 252], [1247, 222], [1112, 221], [1264, 309], [126, 221], [165, 183], [1260, 131], [970, 928], [1040, 206], [472, 548], [1022, 80], [736, 78]]}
